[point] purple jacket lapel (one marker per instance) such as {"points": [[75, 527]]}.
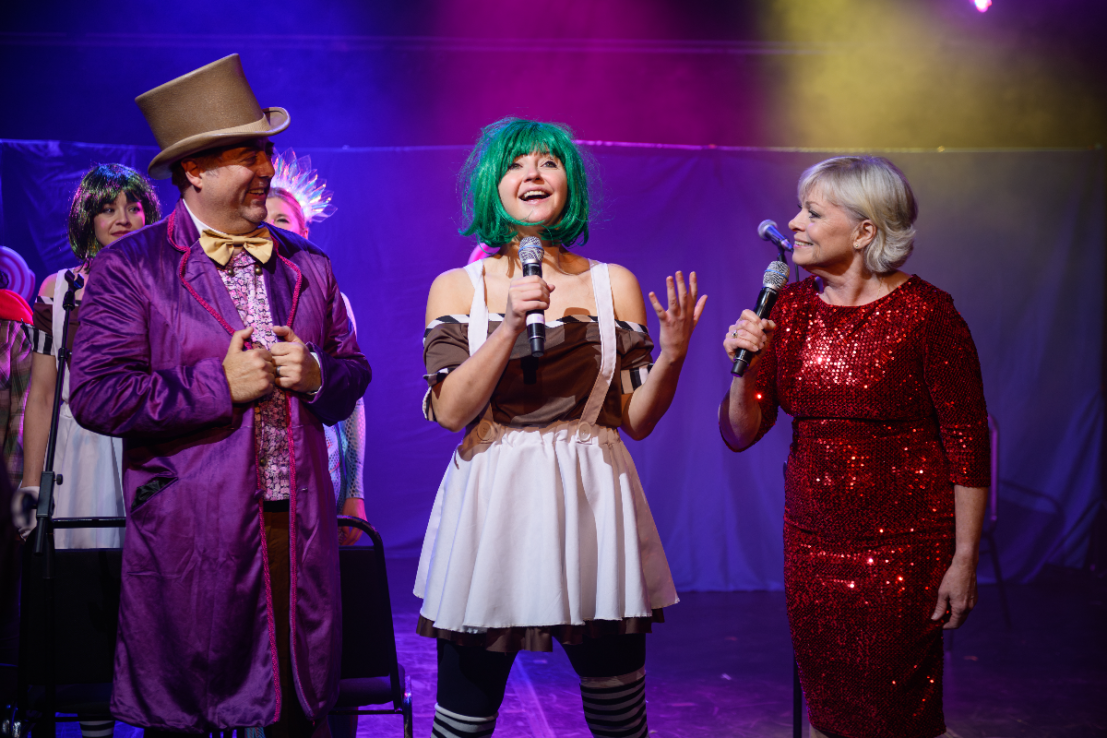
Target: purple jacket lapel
{"points": [[202, 279], [283, 280], [202, 276], [198, 272]]}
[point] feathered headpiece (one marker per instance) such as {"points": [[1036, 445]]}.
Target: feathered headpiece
{"points": [[298, 178]]}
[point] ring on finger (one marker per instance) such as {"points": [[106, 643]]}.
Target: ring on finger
{"points": [[277, 372], [734, 334]]}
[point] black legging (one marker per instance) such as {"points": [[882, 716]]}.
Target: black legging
{"points": [[471, 680]]}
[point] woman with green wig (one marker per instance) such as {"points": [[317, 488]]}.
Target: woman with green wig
{"points": [[540, 531]]}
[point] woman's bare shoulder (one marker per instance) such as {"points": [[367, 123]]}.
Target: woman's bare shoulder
{"points": [[451, 293], [47, 289], [622, 277], [626, 293]]}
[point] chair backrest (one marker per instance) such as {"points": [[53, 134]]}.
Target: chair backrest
{"points": [[368, 637], [86, 586]]}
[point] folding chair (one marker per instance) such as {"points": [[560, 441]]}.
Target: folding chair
{"points": [[370, 675]]}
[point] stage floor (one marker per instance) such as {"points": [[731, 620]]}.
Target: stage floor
{"points": [[1046, 677]]}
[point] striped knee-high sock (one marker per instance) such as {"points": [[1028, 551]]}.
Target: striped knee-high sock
{"points": [[451, 725], [97, 728], [615, 707]]}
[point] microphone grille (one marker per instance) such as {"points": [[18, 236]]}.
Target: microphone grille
{"points": [[530, 250], [776, 275], [763, 229]]}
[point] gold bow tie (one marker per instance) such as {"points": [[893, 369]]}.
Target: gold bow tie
{"points": [[220, 246]]}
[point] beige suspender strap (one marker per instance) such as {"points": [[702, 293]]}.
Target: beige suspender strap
{"points": [[478, 334], [60, 288], [478, 311], [605, 308]]}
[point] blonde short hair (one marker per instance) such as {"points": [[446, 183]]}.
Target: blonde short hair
{"points": [[870, 188]]}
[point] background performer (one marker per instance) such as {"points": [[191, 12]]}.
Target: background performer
{"points": [[111, 201], [886, 481], [540, 531], [297, 198]]}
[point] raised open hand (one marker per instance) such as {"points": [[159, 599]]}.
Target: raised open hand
{"points": [[680, 318]]}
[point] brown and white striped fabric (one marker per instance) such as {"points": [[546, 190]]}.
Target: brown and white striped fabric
{"points": [[570, 364]]}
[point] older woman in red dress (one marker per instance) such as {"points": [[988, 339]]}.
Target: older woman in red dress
{"points": [[886, 481]]}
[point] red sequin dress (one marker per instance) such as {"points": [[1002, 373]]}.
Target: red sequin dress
{"points": [[888, 414]]}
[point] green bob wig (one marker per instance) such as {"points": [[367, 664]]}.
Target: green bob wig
{"points": [[99, 187], [498, 146]]}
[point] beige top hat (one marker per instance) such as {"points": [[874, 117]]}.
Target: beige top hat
{"points": [[212, 106]]}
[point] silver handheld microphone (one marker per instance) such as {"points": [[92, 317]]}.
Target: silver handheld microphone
{"points": [[768, 231], [776, 276], [530, 253]]}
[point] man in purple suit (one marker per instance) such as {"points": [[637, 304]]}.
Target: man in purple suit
{"points": [[217, 349]]}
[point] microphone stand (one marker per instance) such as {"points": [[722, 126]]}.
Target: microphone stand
{"points": [[797, 688], [49, 479], [44, 515], [46, 522]]}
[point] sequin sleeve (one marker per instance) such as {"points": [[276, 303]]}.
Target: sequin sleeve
{"points": [[952, 374], [765, 388]]}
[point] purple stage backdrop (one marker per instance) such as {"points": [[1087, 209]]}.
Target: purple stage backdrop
{"points": [[1015, 236]]}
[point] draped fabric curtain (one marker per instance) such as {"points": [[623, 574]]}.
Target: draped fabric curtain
{"points": [[1017, 237]]}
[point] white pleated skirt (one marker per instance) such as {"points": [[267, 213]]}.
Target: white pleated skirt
{"points": [[541, 527], [91, 466]]}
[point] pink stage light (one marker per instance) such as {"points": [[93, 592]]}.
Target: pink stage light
{"points": [[982, 5]]}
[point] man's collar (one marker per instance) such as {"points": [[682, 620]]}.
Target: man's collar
{"points": [[201, 226]]}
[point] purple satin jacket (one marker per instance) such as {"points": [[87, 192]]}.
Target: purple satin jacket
{"points": [[196, 647]]}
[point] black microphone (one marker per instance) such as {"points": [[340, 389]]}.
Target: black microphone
{"points": [[776, 276], [767, 230], [530, 253]]}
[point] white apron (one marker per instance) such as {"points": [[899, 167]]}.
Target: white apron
{"points": [[542, 526], [91, 465]]}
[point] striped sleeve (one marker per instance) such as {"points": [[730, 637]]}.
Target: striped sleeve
{"points": [[445, 347], [635, 355], [40, 332]]}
